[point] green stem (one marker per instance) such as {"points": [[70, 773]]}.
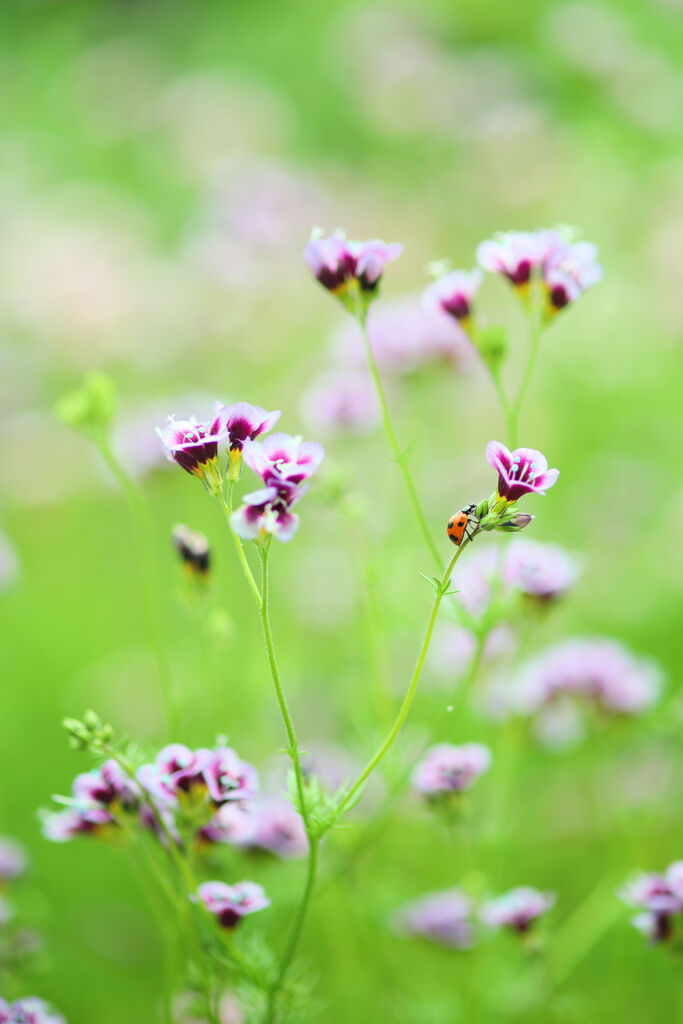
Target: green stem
{"points": [[295, 931], [227, 509], [141, 520], [412, 687], [399, 456], [293, 749]]}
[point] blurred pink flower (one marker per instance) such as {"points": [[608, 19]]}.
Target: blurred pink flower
{"points": [[341, 401], [230, 903], [29, 1010], [338, 264], [443, 917], [517, 909], [405, 337], [278, 828], [453, 293], [445, 768], [597, 669], [543, 571], [13, 859]]}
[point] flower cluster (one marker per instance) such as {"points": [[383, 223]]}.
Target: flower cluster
{"points": [[97, 799], [659, 898], [283, 463], [565, 266], [350, 270], [187, 788], [230, 903], [601, 671], [448, 917], [446, 769], [194, 445], [29, 1010]]}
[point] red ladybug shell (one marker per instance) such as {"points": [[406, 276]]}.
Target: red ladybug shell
{"points": [[456, 527]]}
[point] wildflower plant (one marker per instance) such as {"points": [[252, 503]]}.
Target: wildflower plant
{"points": [[176, 806]]}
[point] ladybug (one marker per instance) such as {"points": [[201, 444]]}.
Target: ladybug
{"points": [[463, 524]]}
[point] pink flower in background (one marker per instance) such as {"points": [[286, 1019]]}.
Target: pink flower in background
{"points": [[230, 903], [443, 917], [660, 900], [9, 563], [181, 768], [513, 254], [596, 669], [340, 402], [543, 571], [232, 823], [29, 1010], [446, 768], [106, 785], [405, 337], [517, 909], [523, 471], [279, 828], [336, 261], [13, 859], [453, 293], [569, 268], [60, 826]]}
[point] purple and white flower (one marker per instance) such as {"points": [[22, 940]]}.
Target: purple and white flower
{"points": [[517, 909], [243, 422], [230, 903], [12, 859], [443, 917], [569, 268], [232, 823], [60, 826], [453, 293], [523, 471], [194, 445], [350, 270], [29, 1010], [229, 778], [283, 463], [446, 768], [513, 254], [659, 898]]}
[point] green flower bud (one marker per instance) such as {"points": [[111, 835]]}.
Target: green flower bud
{"points": [[90, 408], [493, 346]]}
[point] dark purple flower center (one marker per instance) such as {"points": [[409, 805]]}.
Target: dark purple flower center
{"points": [[521, 273], [456, 306]]}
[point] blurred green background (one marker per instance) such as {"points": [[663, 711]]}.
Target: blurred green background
{"points": [[161, 165]]}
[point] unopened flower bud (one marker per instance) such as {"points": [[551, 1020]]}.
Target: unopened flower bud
{"points": [[515, 522], [492, 343], [91, 407]]}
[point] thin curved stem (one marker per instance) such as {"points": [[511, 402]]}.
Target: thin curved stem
{"points": [[399, 455], [293, 749], [295, 931], [227, 509], [412, 686]]}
